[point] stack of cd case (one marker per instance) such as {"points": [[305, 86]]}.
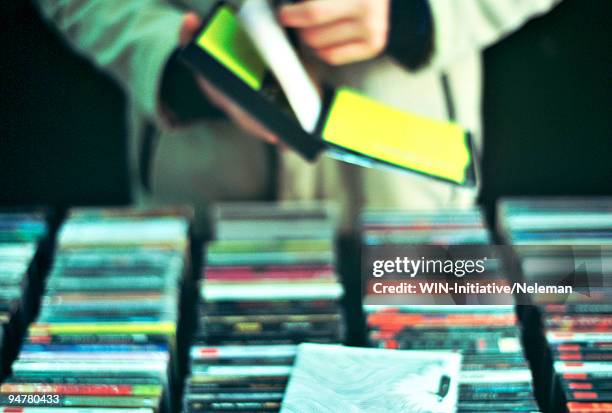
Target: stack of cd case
{"points": [[568, 241], [105, 337], [23, 237], [269, 282], [495, 375]]}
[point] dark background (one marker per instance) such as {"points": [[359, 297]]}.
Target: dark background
{"points": [[547, 110]]}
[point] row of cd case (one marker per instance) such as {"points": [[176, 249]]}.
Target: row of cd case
{"points": [[572, 338], [106, 334], [495, 374], [269, 282], [24, 251]]}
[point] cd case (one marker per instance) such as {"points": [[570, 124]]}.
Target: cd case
{"points": [[350, 126], [333, 378]]}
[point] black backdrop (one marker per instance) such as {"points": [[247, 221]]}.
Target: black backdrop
{"points": [[547, 112]]}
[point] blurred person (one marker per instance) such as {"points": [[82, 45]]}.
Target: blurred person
{"points": [[190, 144]]}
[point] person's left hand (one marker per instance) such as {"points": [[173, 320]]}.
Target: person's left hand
{"points": [[340, 31]]}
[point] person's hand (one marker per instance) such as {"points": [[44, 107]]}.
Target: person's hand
{"points": [[340, 31], [191, 23]]}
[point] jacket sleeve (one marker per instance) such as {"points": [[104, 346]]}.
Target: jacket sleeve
{"points": [[131, 39], [433, 33]]}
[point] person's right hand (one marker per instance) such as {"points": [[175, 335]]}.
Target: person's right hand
{"points": [[340, 31], [191, 23]]}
